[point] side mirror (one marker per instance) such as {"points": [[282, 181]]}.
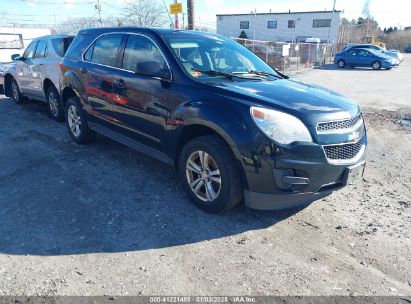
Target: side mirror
{"points": [[16, 57], [153, 69], [164, 74]]}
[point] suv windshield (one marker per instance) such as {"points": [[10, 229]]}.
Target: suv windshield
{"points": [[200, 54]]}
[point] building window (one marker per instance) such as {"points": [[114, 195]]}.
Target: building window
{"points": [[272, 24], [291, 23], [244, 25], [321, 22]]}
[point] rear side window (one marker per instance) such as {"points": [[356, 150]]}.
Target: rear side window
{"points": [[78, 46], [61, 45], [41, 49], [140, 49], [29, 52], [363, 53], [105, 50]]}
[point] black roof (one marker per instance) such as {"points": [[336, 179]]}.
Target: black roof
{"points": [[166, 32], [281, 13]]}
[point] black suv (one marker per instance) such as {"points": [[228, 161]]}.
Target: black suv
{"points": [[234, 128]]}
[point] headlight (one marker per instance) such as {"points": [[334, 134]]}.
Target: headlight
{"points": [[280, 127]]}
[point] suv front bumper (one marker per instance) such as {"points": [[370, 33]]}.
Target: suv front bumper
{"points": [[299, 176]]}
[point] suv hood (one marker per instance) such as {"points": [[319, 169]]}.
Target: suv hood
{"points": [[310, 103]]}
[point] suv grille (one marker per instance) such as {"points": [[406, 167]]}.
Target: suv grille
{"points": [[337, 125], [344, 151]]}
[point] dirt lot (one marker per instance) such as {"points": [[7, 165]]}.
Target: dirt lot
{"points": [[102, 219]]}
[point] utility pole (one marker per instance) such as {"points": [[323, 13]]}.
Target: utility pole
{"points": [[255, 24], [98, 8], [177, 22], [332, 18], [190, 14]]}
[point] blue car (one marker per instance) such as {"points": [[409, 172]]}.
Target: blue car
{"points": [[355, 57]]}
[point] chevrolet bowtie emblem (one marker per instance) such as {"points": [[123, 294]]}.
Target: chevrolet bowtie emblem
{"points": [[354, 136]]}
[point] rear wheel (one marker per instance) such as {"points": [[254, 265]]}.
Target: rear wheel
{"points": [[16, 93], [209, 174], [341, 63], [376, 65], [76, 122], [55, 107]]}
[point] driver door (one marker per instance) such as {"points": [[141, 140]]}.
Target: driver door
{"points": [[24, 66]]}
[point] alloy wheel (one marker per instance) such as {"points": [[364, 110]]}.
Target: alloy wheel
{"points": [[15, 91], [203, 176], [53, 104], [74, 121], [376, 65]]}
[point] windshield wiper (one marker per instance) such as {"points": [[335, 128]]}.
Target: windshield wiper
{"points": [[219, 73], [263, 73]]}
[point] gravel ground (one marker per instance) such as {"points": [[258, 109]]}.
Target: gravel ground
{"points": [[105, 220]]}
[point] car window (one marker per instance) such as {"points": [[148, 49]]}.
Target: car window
{"points": [[363, 53], [352, 52], [29, 52], [61, 45], [106, 49], [140, 49], [80, 43], [41, 49], [198, 53]]}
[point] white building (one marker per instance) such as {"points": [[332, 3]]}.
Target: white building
{"points": [[288, 27], [13, 40]]}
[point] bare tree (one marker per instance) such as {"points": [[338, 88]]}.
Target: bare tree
{"points": [[148, 13], [73, 25]]}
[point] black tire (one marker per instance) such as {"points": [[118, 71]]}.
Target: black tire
{"points": [[376, 65], [220, 156], [56, 110], [341, 63], [81, 133], [15, 92]]}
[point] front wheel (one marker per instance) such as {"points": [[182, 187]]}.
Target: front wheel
{"points": [[16, 93], [76, 122], [376, 65], [209, 174]]}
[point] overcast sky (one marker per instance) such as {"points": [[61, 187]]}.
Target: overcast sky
{"points": [[386, 12]]}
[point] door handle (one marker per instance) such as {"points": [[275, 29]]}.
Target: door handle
{"points": [[83, 70], [119, 84]]}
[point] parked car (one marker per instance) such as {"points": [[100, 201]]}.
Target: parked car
{"points": [[36, 74], [3, 69], [407, 49], [232, 126], [392, 53], [354, 57]]}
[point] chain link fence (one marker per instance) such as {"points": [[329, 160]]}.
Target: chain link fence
{"points": [[290, 56]]}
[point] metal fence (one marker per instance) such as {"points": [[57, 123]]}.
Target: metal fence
{"points": [[290, 56]]}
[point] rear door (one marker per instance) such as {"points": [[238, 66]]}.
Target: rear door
{"points": [[141, 107], [100, 67]]}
